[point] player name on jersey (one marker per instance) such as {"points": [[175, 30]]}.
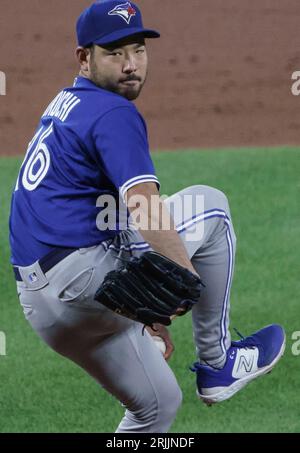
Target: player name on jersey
{"points": [[62, 106]]}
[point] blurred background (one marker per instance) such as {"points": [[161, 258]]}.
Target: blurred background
{"points": [[219, 76], [219, 97]]}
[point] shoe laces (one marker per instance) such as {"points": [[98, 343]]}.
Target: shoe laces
{"points": [[247, 343]]}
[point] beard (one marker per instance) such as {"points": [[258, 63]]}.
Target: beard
{"points": [[129, 86]]}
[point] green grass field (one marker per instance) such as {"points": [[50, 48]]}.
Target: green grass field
{"points": [[41, 392]]}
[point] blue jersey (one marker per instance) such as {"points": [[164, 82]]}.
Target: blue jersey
{"points": [[90, 143]]}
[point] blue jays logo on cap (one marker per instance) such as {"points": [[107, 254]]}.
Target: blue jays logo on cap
{"points": [[104, 22], [126, 11]]}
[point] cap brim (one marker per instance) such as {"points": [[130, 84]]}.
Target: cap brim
{"points": [[125, 33]]}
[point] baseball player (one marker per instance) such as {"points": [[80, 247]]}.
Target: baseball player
{"points": [[73, 221]]}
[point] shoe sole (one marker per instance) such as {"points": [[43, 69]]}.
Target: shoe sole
{"points": [[228, 392]]}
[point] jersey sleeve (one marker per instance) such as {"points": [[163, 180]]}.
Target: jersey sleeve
{"points": [[122, 148]]}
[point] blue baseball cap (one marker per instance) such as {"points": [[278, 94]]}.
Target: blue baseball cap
{"points": [[107, 21]]}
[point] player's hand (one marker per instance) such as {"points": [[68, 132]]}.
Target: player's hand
{"points": [[162, 332]]}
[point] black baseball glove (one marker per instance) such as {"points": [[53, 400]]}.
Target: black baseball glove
{"points": [[150, 289]]}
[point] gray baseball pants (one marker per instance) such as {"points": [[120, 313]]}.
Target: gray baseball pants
{"points": [[59, 306]]}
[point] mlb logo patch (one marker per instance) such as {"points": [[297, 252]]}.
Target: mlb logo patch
{"points": [[33, 277], [125, 10]]}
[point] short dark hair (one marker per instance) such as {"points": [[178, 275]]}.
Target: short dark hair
{"points": [[91, 47]]}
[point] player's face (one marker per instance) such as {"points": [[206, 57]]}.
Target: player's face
{"points": [[121, 68]]}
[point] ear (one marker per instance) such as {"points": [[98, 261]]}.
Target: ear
{"points": [[83, 57]]}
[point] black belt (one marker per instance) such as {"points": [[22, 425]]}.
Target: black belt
{"points": [[48, 261]]}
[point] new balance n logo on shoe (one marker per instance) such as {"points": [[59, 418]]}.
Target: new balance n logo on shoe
{"points": [[247, 359], [245, 362]]}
